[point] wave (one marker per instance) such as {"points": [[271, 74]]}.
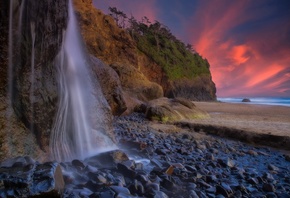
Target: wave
{"points": [[260, 100]]}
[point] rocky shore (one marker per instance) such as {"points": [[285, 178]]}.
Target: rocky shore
{"points": [[156, 160]]}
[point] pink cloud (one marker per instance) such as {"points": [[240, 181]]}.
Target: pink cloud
{"points": [[247, 66]]}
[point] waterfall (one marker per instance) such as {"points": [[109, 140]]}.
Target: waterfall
{"points": [[73, 135], [31, 94]]}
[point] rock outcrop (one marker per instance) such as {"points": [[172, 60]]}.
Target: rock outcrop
{"points": [[111, 86], [112, 45], [170, 110], [38, 32], [34, 88], [246, 100]]}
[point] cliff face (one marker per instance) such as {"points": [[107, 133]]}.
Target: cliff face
{"points": [[29, 105], [37, 36], [112, 44]]}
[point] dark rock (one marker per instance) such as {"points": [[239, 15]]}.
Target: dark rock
{"points": [[253, 181], [193, 194], [136, 188], [246, 100], [120, 189], [268, 187], [271, 195], [132, 144], [287, 157], [107, 159], [272, 167], [78, 164], [127, 172], [160, 194], [222, 191], [33, 180]]}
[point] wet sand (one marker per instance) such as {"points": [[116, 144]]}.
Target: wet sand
{"points": [[266, 125], [265, 119]]}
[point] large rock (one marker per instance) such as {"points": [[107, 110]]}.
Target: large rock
{"points": [[22, 177], [135, 83], [111, 86], [170, 110]]}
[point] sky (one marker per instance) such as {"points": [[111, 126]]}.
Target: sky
{"points": [[247, 42]]}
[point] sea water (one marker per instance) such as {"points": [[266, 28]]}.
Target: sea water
{"points": [[259, 100]]}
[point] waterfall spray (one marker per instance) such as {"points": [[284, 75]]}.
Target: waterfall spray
{"points": [[73, 135]]}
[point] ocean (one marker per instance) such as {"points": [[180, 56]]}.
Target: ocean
{"points": [[259, 100]]}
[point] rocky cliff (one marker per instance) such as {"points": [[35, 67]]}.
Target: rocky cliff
{"points": [[113, 44], [128, 75], [36, 31], [30, 84]]}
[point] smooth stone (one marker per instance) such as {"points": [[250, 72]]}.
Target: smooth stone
{"points": [[108, 193], [272, 167], [78, 164], [253, 181], [287, 157], [136, 188], [252, 152], [107, 159], [152, 187], [272, 195], [231, 163], [160, 194], [120, 189], [268, 187], [167, 184], [193, 194], [221, 190], [126, 171]]}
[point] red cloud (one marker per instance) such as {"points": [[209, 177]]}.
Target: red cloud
{"points": [[242, 63]]}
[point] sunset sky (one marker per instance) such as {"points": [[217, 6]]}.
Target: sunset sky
{"points": [[247, 42]]}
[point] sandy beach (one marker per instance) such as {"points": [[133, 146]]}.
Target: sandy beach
{"points": [[266, 119], [267, 125]]}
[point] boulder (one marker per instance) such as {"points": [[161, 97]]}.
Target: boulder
{"points": [[137, 88], [111, 86], [30, 179], [170, 110], [107, 159]]}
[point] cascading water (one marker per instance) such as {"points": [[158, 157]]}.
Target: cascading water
{"points": [[31, 96], [73, 135]]}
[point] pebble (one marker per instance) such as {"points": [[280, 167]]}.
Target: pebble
{"points": [[168, 165]]}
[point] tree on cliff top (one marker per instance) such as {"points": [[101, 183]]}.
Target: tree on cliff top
{"points": [[156, 41]]}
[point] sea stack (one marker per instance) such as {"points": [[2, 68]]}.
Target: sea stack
{"points": [[246, 100]]}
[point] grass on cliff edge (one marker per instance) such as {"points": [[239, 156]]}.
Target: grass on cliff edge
{"points": [[157, 42], [172, 55]]}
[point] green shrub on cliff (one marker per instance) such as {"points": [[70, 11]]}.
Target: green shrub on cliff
{"points": [[158, 43]]}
